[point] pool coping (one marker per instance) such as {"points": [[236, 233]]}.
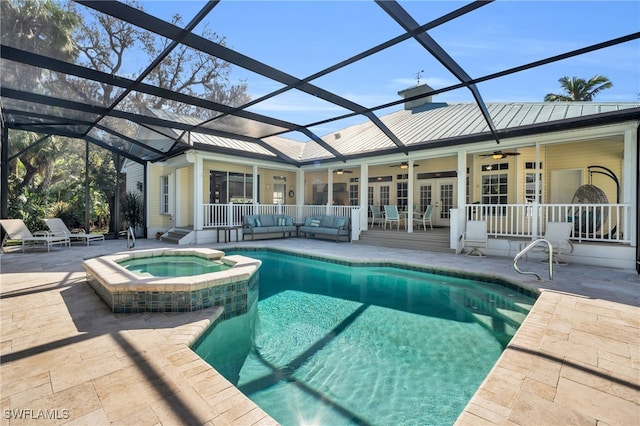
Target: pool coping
{"points": [[575, 359]]}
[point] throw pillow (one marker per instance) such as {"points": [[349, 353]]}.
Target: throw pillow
{"points": [[256, 222], [281, 221], [315, 222], [340, 222], [288, 221], [307, 221]]}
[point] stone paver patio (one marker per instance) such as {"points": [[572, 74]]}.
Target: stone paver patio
{"points": [[66, 357]]}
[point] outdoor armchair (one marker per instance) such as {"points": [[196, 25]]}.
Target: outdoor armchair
{"points": [[475, 237], [391, 216], [558, 234], [376, 215], [426, 217]]}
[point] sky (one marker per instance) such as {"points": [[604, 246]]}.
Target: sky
{"points": [[304, 37]]}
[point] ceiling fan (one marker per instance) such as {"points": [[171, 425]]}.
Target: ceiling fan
{"points": [[404, 165], [499, 155], [341, 171]]}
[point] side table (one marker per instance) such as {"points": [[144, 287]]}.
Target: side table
{"points": [[227, 232]]}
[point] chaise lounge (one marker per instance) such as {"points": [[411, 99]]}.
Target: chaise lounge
{"points": [[58, 227], [16, 230]]}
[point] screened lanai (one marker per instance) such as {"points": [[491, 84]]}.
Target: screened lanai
{"points": [[73, 94]]}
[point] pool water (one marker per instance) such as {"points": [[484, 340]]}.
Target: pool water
{"points": [[331, 344], [172, 266]]}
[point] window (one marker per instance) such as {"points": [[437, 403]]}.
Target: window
{"points": [[354, 192], [279, 189], [495, 183], [530, 183], [425, 197], [384, 195], [402, 192], [164, 194], [229, 187], [530, 187]]}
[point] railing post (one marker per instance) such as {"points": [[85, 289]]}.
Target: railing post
{"points": [[229, 214], [535, 220]]}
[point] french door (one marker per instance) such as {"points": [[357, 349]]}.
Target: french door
{"points": [[441, 194], [379, 193]]}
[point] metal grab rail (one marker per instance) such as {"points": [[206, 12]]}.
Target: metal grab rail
{"points": [[131, 238], [526, 250]]}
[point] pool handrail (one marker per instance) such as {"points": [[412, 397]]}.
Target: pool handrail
{"points": [[526, 250]]}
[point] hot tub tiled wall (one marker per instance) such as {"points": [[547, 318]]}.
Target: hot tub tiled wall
{"points": [[235, 289]]}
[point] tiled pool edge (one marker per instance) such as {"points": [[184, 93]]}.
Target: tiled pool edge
{"points": [[124, 292]]}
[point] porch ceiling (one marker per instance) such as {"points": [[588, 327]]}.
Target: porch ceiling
{"points": [[237, 129]]}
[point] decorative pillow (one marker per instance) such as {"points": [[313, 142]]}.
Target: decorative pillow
{"points": [[315, 222], [340, 222], [288, 221], [281, 221], [307, 221], [256, 222]]}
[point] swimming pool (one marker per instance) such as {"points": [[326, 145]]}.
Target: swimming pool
{"points": [[332, 344]]}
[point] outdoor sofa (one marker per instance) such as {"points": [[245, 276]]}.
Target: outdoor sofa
{"points": [[266, 225], [333, 226]]}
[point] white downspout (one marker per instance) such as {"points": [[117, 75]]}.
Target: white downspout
{"points": [[629, 195], [364, 196], [198, 197], [458, 215], [410, 207]]}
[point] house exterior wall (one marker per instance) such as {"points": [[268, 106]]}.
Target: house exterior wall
{"points": [[184, 191], [569, 150], [157, 222], [135, 174], [582, 154], [267, 181]]}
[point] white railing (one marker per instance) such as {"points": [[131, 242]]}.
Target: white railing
{"points": [[217, 215], [592, 222]]}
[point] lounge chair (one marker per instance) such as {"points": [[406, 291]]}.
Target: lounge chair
{"points": [[475, 237], [16, 230], [391, 215], [57, 227], [558, 233], [376, 215], [426, 217]]}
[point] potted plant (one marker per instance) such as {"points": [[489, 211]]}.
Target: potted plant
{"points": [[132, 210]]}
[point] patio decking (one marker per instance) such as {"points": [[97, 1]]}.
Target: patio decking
{"points": [[575, 360]]}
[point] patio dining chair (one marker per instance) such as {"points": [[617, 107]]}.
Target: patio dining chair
{"points": [[391, 216], [58, 227], [426, 217], [376, 215], [16, 230]]}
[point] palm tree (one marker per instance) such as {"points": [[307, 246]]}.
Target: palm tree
{"points": [[579, 89]]}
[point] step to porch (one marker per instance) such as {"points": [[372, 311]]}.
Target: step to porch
{"points": [[174, 235], [436, 240]]}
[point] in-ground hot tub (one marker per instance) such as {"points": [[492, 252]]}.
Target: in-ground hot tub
{"points": [[233, 285]]}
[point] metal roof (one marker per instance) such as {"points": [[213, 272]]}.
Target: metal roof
{"points": [[55, 109]]}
